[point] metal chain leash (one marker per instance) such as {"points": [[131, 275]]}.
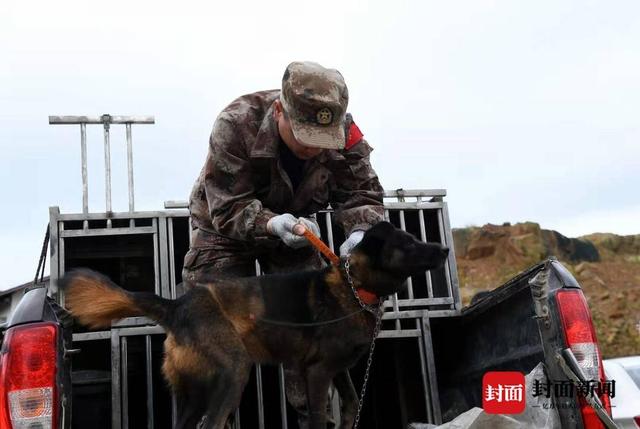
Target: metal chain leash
{"points": [[376, 331], [377, 312]]}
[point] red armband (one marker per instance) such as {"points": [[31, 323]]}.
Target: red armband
{"points": [[354, 137]]}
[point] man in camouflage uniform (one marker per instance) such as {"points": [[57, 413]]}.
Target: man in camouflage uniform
{"points": [[275, 158]]}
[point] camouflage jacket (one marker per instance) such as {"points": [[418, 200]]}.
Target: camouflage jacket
{"points": [[242, 184]]}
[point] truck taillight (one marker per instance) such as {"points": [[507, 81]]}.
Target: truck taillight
{"points": [[581, 339], [28, 377]]}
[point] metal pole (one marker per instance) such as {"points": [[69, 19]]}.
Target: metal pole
{"points": [[433, 381], [149, 376], [113, 119], [260, 397], [283, 398], [327, 218], [423, 237], [85, 183], [423, 372], [236, 423], [116, 378], [443, 241], [130, 167], [125, 381], [157, 243], [403, 226], [174, 410], [172, 259], [107, 164], [54, 254]]}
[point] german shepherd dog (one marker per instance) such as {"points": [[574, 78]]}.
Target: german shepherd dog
{"points": [[217, 331]]}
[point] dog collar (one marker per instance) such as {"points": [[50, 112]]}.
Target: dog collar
{"points": [[367, 297], [363, 296]]}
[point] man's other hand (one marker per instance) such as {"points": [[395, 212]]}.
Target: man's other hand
{"points": [[351, 242]]}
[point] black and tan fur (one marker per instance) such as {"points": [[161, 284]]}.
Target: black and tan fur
{"points": [[216, 332]]}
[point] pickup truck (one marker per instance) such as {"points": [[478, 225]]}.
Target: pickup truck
{"points": [[431, 352]]}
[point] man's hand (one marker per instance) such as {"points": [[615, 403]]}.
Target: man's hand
{"points": [[351, 242], [291, 230]]}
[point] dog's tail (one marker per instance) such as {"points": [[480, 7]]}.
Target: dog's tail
{"points": [[95, 301]]}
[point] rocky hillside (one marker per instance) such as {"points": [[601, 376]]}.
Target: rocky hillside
{"points": [[607, 266]]}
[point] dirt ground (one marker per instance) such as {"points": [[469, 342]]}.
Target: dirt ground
{"points": [[610, 277]]}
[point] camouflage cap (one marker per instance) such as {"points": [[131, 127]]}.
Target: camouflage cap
{"points": [[315, 98]]}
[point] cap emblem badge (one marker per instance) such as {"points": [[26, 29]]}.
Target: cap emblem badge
{"points": [[324, 116]]}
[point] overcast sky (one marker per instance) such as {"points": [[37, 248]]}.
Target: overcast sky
{"points": [[521, 110]]}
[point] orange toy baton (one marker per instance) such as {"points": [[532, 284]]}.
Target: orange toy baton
{"points": [[318, 244]]}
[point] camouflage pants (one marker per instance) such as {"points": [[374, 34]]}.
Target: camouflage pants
{"points": [[205, 265]]}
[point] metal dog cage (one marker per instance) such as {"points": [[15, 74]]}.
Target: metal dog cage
{"points": [[117, 375]]}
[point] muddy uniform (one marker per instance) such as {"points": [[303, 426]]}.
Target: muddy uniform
{"points": [[244, 183]]}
